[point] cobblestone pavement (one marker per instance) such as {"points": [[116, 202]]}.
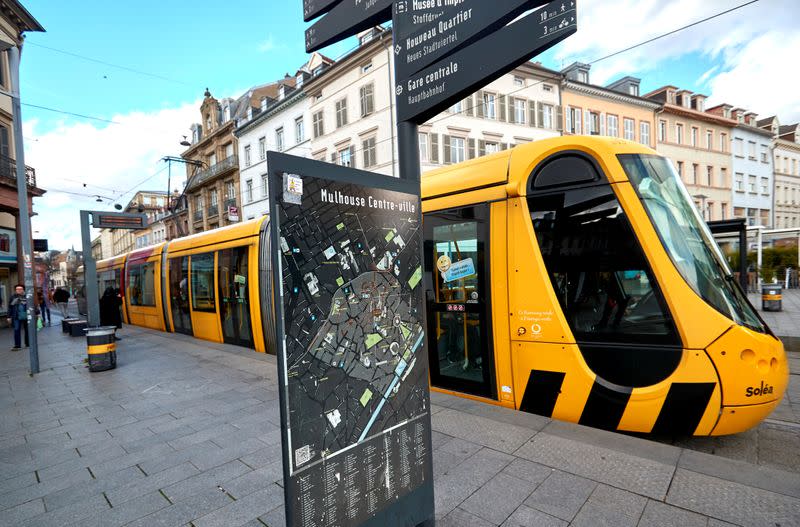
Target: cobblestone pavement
{"points": [[186, 432]]}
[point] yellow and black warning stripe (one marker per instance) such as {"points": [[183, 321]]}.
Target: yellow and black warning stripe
{"points": [[681, 412]]}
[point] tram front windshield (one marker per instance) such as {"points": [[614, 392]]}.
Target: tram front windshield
{"points": [[686, 236]]}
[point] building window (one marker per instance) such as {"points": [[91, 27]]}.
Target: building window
{"points": [[723, 142], [519, 111], [751, 150], [365, 68], [247, 160], [370, 153], [198, 206], [492, 148], [424, 156], [367, 96], [489, 106], [739, 182], [457, 107], [764, 154], [574, 118], [709, 139], [765, 186], [345, 157], [248, 190], [695, 180], [679, 133], [751, 184], [457, 154], [547, 88], [213, 198], [694, 136], [230, 191], [262, 148], [662, 131], [583, 77], [644, 132], [629, 129], [724, 210], [299, 130], [593, 124], [723, 177], [212, 158], [279, 139], [264, 188], [738, 147], [612, 127], [341, 113], [547, 116], [710, 176], [680, 169], [319, 127], [519, 81]]}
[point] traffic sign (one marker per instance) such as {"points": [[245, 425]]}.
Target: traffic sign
{"points": [[431, 90], [313, 8], [346, 19], [425, 30]]}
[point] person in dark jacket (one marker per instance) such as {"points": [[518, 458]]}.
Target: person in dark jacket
{"points": [[44, 309], [18, 315], [61, 297], [109, 308]]}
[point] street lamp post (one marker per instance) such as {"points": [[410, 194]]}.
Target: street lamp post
{"points": [[24, 225]]}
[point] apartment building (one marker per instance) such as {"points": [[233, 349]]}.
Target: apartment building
{"points": [[282, 126], [699, 143], [786, 167], [353, 118], [753, 180], [615, 110]]}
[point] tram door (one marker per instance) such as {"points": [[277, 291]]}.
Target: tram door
{"points": [[179, 295], [457, 300], [234, 300]]}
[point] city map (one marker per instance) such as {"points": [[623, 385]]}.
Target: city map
{"points": [[355, 356]]}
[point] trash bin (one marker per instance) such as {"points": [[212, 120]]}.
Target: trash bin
{"points": [[771, 297], [65, 323], [102, 348]]}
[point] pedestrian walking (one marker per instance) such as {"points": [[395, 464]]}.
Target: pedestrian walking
{"points": [[44, 309], [61, 297], [18, 316]]}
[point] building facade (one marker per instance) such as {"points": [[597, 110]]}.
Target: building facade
{"points": [[786, 166], [282, 126], [753, 181], [699, 144], [151, 202], [616, 110], [15, 20]]}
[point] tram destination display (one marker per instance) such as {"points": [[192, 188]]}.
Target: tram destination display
{"points": [[433, 32], [351, 348]]}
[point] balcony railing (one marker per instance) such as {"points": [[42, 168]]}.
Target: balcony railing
{"points": [[213, 210], [198, 215], [214, 170], [8, 170]]}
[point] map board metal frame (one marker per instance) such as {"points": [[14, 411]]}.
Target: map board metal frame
{"points": [[408, 347]]}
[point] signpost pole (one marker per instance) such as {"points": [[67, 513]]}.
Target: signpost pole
{"points": [[89, 272], [25, 260], [408, 151]]}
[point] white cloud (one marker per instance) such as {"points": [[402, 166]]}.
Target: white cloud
{"points": [[109, 159], [738, 41], [268, 45]]}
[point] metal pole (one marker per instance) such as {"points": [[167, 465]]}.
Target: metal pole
{"points": [[24, 224], [743, 258], [408, 151], [89, 273], [759, 260]]}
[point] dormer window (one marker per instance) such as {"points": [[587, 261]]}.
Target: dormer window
{"points": [[281, 92], [687, 101], [299, 80], [317, 71], [633, 90], [366, 37], [740, 118], [671, 97], [226, 114], [263, 103], [249, 113], [583, 77]]}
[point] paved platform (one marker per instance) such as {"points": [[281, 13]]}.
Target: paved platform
{"points": [[186, 432]]}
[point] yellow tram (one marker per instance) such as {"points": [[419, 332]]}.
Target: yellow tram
{"points": [[589, 290]]}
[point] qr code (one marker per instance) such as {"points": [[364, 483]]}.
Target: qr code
{"points": [[302, 455]]}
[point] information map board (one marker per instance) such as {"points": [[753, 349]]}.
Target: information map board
{"points": [[347, 269]]}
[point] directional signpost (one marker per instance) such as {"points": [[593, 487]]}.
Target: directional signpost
{"points": [[424, 88], [346, 263]]}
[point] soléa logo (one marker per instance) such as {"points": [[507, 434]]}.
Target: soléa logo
{"points": [[764, 389]]}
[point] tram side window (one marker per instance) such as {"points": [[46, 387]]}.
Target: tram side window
{"points": [[203, 298], [602, 279], [141, 284]]}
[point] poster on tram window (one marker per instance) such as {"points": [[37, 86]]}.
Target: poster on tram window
{"points": [[350, 335]]}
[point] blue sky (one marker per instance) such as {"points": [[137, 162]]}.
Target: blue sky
{"points": [[739, 58]]}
